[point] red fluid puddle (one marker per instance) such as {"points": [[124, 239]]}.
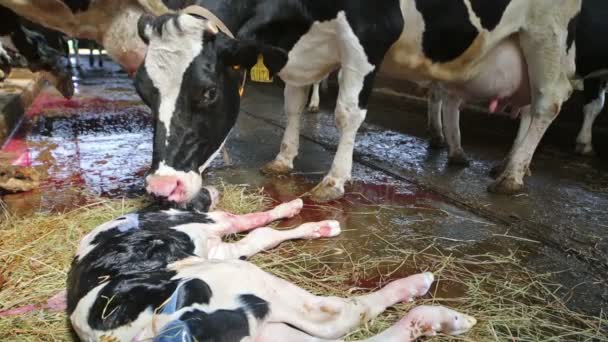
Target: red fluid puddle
{"points": [[359, 195], [45, 102], [86, 145]]}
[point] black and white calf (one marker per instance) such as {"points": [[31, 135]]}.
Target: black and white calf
{"points": [[165, 275], [42, 49], [184, 81]]}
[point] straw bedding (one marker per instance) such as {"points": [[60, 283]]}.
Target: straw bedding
{"points": [[510, 302]]}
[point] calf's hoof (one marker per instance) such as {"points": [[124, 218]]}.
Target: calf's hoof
{"points": [[426, 320], [585, 150], [276, 168], [506, 186], [313, 109], [437, 142], [459, 159], [326, 191]]}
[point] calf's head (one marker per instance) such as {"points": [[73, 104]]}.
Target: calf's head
{"points": [[190, 79]]}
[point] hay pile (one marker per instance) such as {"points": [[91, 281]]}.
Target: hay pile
{"points": [[509, 302]]}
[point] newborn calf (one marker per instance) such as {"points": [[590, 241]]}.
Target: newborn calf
{"points": [[165, 275]]}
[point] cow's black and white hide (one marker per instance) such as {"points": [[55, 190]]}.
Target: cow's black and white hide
{"points": [[25, 44], [418, 40], [163, 274]]}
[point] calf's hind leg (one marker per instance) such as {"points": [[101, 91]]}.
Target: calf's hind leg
{"points": [[266, 238], [334, 317], [420, 321]]}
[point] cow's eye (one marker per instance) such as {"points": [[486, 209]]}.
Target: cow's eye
{"points": [[209, 96]]}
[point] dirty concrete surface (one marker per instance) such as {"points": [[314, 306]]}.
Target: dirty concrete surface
{"points": [[100, 143]]}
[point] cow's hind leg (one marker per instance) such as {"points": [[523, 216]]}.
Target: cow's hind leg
{"points": [[313, 105], [435, 125], [524, 126], [550, 86], [594, 103], [451, 118], [262, 239], [295, 101]]}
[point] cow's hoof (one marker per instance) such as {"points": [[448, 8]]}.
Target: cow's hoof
{"points": [[506, 186], [585, 150], [276, 168], [328, 190], [459, 159], [313, 109], [497, 169], [437, 142]]}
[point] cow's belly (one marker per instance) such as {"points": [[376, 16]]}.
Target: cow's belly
{"points": [[314, 56]]}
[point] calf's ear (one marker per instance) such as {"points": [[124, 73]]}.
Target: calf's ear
{"points": [[245, 54], [144, 27]]}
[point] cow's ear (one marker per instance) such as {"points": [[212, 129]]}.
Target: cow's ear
{"points": [[245, 53], [144, 27]]}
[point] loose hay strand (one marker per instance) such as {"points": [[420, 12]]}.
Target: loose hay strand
{"points": [[510, 302]]}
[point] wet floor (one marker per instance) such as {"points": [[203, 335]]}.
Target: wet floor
{"points": [[402, 194]]}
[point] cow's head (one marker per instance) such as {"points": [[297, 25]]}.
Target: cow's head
{"points": [[190, 80]]}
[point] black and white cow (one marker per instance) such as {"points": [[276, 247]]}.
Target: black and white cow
{"points": [[111, 23], [591, 60], [422, 40], [592, 65], [164, 274], [42, 49]]}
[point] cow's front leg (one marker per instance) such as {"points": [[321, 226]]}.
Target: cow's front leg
{"points": [[334, 317], [262, 239], [355, 89], [451, 118], [435, 125], [594, 103], [295, 101], [231, 224]]}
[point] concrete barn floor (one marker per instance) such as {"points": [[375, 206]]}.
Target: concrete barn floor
{"points": [[100, 141]]}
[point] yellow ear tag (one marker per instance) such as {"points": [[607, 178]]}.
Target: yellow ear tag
{"points": [[259, 72]]}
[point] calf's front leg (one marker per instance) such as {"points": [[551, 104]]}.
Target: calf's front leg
{"points": [[230, 223], [266, 238]]}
